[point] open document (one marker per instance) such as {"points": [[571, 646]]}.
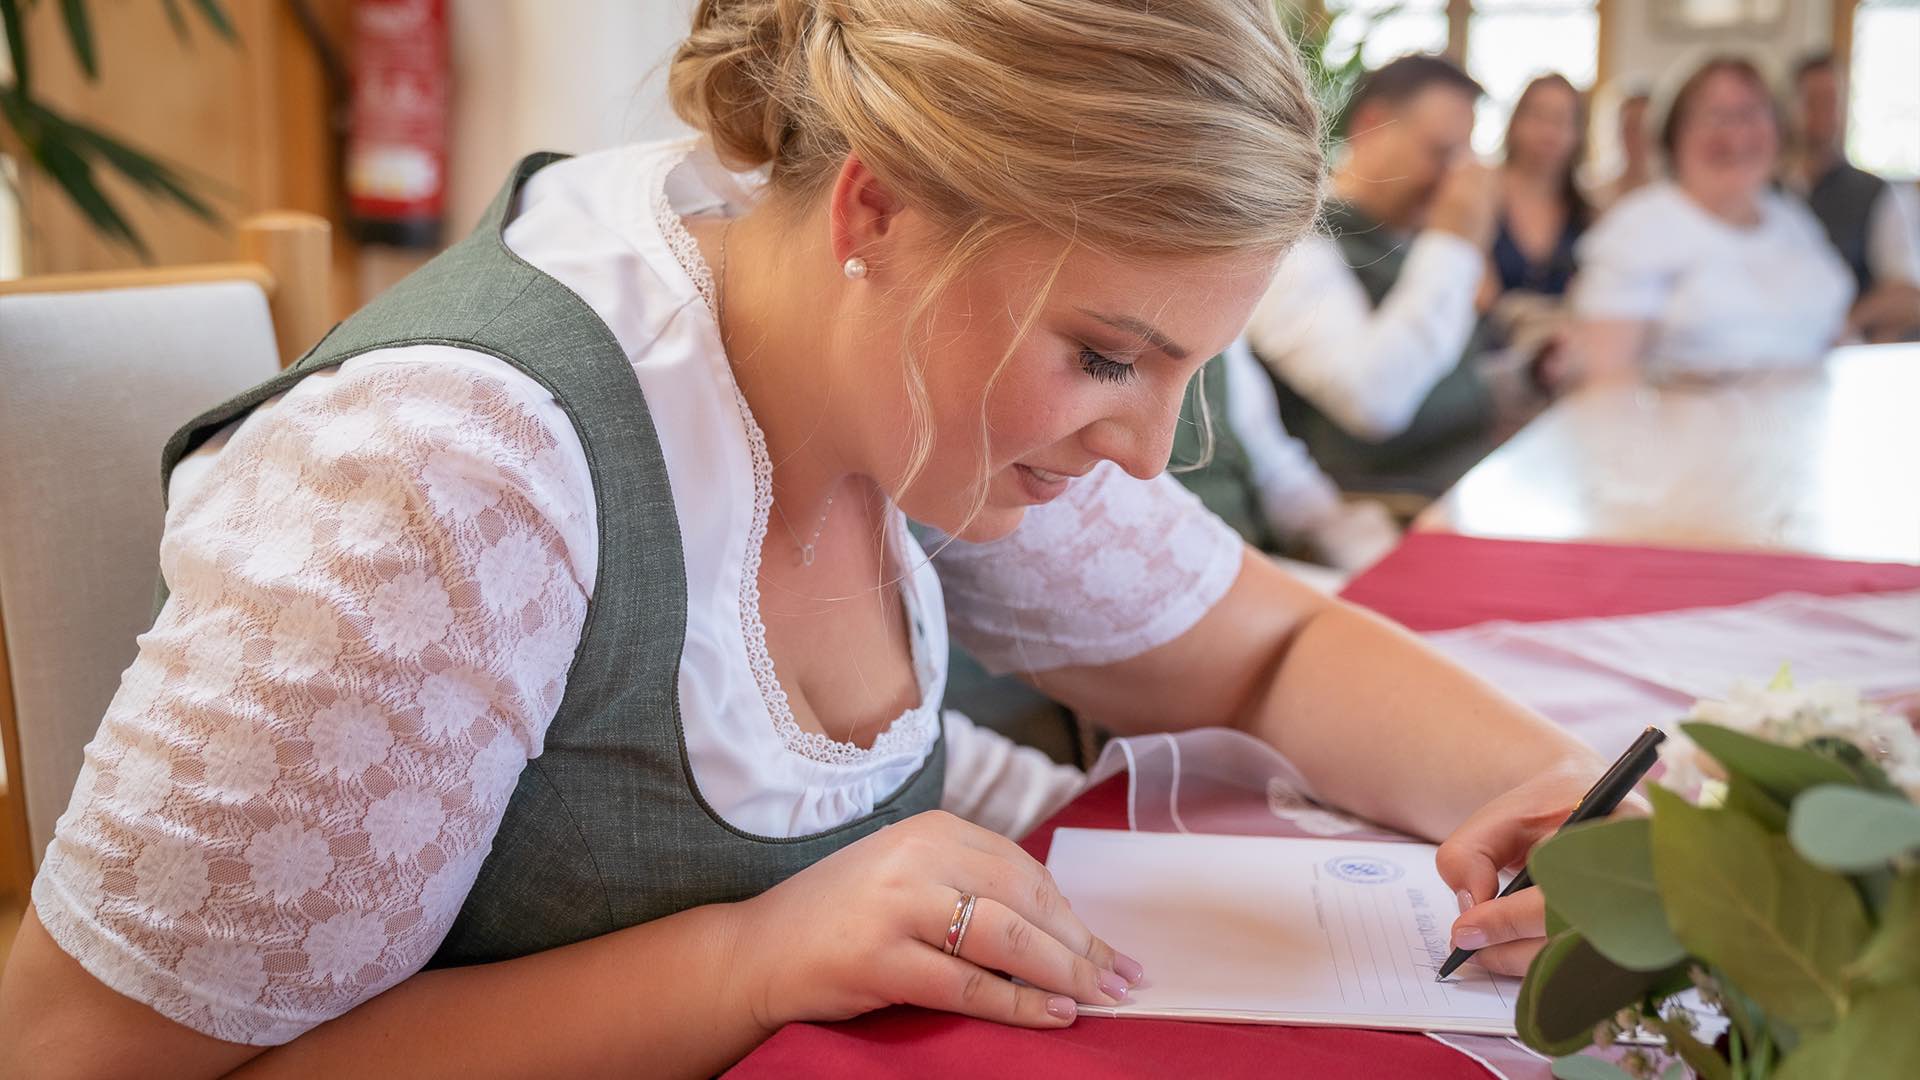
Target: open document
{"points": [[1278, 930]]}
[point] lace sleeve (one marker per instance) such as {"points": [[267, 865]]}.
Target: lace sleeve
{"points": [[377, 589], [1111, 569]]}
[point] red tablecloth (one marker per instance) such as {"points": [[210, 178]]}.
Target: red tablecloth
{"points": [[1434, 581]]}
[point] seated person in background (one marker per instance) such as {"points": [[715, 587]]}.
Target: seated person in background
{"points": [[1637, 165], [1370, 332], [1713, 271], [1542, 212], [1866, 218], [1263, 482]]}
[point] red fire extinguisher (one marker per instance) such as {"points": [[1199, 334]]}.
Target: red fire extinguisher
{"points": [[397, 150]]}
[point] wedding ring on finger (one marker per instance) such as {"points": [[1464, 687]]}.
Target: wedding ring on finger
{"points": [[957, 928]]}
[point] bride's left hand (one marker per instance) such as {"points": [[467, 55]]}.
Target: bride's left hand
{"points": [[1508, 932]]}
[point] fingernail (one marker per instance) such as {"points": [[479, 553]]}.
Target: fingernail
{"points": [[1469, 937], [1128, 968], [1061, 1008], [1113, 986], [1465, 898]]}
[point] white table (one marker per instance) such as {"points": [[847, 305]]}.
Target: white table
{"points": [[1824, 462]]}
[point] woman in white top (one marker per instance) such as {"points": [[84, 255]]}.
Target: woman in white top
{"points": [[1712, 271], [957, 264]]}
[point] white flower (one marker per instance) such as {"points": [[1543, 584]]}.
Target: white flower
{"points": [[285, 543], [1689, 770], [374, 515], [546, 654], [338, 948], [443, 894], [224, 970], [1112, 573], [140, 686], [451, 700], [240, 761], [550, 473], [287, 861], [403, 822], [1188, 547], [344, 433], [435, 398], [496, 769], [460, 484], [170, 877], [513, 571], [215, 658], [306, 638], [349, 737], [76, 867], [1792, 715], [409, 613], [143, 780]]}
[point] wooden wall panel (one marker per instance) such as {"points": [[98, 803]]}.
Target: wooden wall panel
{"points": [[250, 119]]}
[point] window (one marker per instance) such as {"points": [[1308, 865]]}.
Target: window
{"points": [[1384, 29], [1508, 42], [1883, 107]]}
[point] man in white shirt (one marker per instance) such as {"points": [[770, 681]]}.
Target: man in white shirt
{"points": [[1371, 332], [1869, 220]]}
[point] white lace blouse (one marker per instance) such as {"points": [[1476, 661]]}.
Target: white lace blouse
{"points": [[378, 583]]}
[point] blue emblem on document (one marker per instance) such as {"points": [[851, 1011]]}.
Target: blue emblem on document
{"points": [[1364, 869]]}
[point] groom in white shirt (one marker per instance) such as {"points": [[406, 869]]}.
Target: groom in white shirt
{"points": [[1371, 332]]}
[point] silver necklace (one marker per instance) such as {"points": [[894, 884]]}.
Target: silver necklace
{"points": [[807, 548]]}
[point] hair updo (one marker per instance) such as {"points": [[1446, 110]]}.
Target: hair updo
{"points": [[1139, 128], [1142, 127]]}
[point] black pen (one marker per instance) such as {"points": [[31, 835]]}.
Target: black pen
{"points": [[1600, 800]]}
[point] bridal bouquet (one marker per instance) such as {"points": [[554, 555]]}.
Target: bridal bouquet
{"points": [[1763, 922]]}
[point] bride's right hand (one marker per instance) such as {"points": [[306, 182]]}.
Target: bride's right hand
{"points": [[866, 927]]}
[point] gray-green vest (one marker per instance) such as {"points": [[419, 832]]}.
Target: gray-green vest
{"points": [[1843, 200], [1225, 484], [607, 827], [1453, 427]]}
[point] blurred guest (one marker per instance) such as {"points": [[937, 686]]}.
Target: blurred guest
{"points": [[1263, 482], [1638, 157], [1542, 211], [1865, 217], [1711, 271], [1371, 332]]}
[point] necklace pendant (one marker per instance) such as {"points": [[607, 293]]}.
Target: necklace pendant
{"points": [[806, 555]]}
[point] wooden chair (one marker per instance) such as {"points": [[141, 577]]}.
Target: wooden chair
{"points": [[98, 370]]}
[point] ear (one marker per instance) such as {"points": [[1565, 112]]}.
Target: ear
{"points": [[861, 212]]}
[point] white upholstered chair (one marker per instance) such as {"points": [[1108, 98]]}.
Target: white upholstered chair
{"points": [[96, 371]]}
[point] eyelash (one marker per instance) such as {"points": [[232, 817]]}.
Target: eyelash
{"points": [[1104, 369]]}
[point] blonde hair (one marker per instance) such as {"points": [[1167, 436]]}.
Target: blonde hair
{"points": [[1139, 128]]}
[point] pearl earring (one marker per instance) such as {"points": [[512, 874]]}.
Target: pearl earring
{"points": [[855, 267]]}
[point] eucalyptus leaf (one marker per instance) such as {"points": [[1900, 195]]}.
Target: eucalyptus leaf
{"points": [[1893, 953], [1600, 877], [1780, 928], [1570, 988], [1846, 828], [1866, 772], [1878, 1039], [1745, 797], [1583, 1067], [1781, 771], [1556, 922]]}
